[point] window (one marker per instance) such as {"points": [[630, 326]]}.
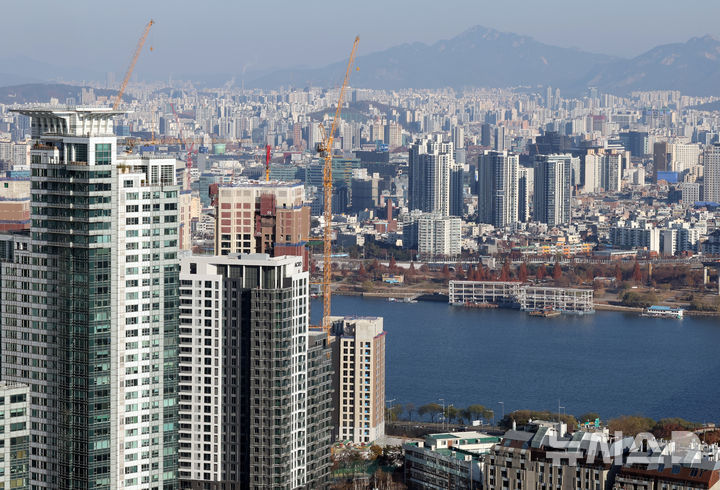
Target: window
{"points": [[103, 154]]}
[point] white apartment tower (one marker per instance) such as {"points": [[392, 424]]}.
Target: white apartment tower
{"points": [[553, 193], [359, 363], [255, 383], [102, 300], [498, 188]]}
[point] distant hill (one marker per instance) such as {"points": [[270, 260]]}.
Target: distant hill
{"points": [[692, 67], [43, 92], [482, 57], [477, 57]]}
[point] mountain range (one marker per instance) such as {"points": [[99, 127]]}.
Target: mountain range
{"points": [[478, 57], [483, 57]]}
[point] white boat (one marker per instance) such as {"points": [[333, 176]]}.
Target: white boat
{"points": [[657, 311]]}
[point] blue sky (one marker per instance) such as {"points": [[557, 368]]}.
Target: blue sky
{"points": [[219, 36]]}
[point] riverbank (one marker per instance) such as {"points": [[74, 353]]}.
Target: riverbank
{"points": [[404, 294]]}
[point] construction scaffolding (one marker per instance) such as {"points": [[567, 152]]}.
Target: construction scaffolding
{"points": [[517, 295]]}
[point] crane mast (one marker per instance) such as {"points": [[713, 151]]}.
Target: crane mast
{"points": [[130, 69], [188, 146], [325, 148]]}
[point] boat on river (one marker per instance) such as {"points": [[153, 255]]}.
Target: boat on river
{"points": [[659, 311]]}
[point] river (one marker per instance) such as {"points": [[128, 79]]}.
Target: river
{"points": [[611, 363]]}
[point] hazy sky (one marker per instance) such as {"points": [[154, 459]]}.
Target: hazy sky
{"points": [[224, 36]]}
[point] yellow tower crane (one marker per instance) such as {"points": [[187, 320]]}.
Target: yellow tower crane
{"points": [[130, 69], [325, 148]]}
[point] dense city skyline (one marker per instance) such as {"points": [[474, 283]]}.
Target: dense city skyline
{"points": [[461, 266]]}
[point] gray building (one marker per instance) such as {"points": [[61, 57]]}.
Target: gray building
{"points": [[255, 382], [434, 180], [552, 196], [498, 188]]}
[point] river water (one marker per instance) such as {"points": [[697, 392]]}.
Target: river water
{"points": [[611, 363]]}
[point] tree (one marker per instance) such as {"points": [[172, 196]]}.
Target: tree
{"points": [[637, 274], [362, 273], [588, 417], [409, 409], [411, 270], [392, 414], [459, 272], [393, 265], [523, 273], [446, 272], [505, 272], [631, 425], [478, 412], [367, 286], [618, 275], [451, 413], [665, 427], [541, 272], [557, 272], [431, 409]]}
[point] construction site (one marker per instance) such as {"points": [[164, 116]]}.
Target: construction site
{"points": [[511, 294]]}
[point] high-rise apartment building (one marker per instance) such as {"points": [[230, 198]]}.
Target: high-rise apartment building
{"points": [[526, 180], [262, 217], [553, 193], [435, 180], [359, 365], [498, 188], [255, 382], [439, 236], [661, 158], [711, 191], [602, 169], [15, 435], [99, 300]]}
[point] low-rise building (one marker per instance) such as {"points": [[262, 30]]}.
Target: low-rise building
{"points": [[450, 461]]}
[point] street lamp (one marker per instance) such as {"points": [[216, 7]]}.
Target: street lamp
{"points": [[443, 409], [387, 407]]}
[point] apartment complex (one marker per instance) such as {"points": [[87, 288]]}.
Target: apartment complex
{"points": [[450, 460], [497, 188], [89, 309], [553, 190], [435, 179], [15, 435], [359, 364], [262, 217], [255, 383], [439, 236]]}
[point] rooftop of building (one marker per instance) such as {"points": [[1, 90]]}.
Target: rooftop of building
{"points": [[261, 183]]}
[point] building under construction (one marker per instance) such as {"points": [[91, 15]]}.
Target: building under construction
{"points": [[510, 294]]}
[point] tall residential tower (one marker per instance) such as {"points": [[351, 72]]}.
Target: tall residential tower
{"points": [[92, 326]]}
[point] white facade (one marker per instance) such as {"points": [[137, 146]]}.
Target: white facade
{"points": [[684, 156], [207, 319], [146, 239], [360, 372], [439, 236]]}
